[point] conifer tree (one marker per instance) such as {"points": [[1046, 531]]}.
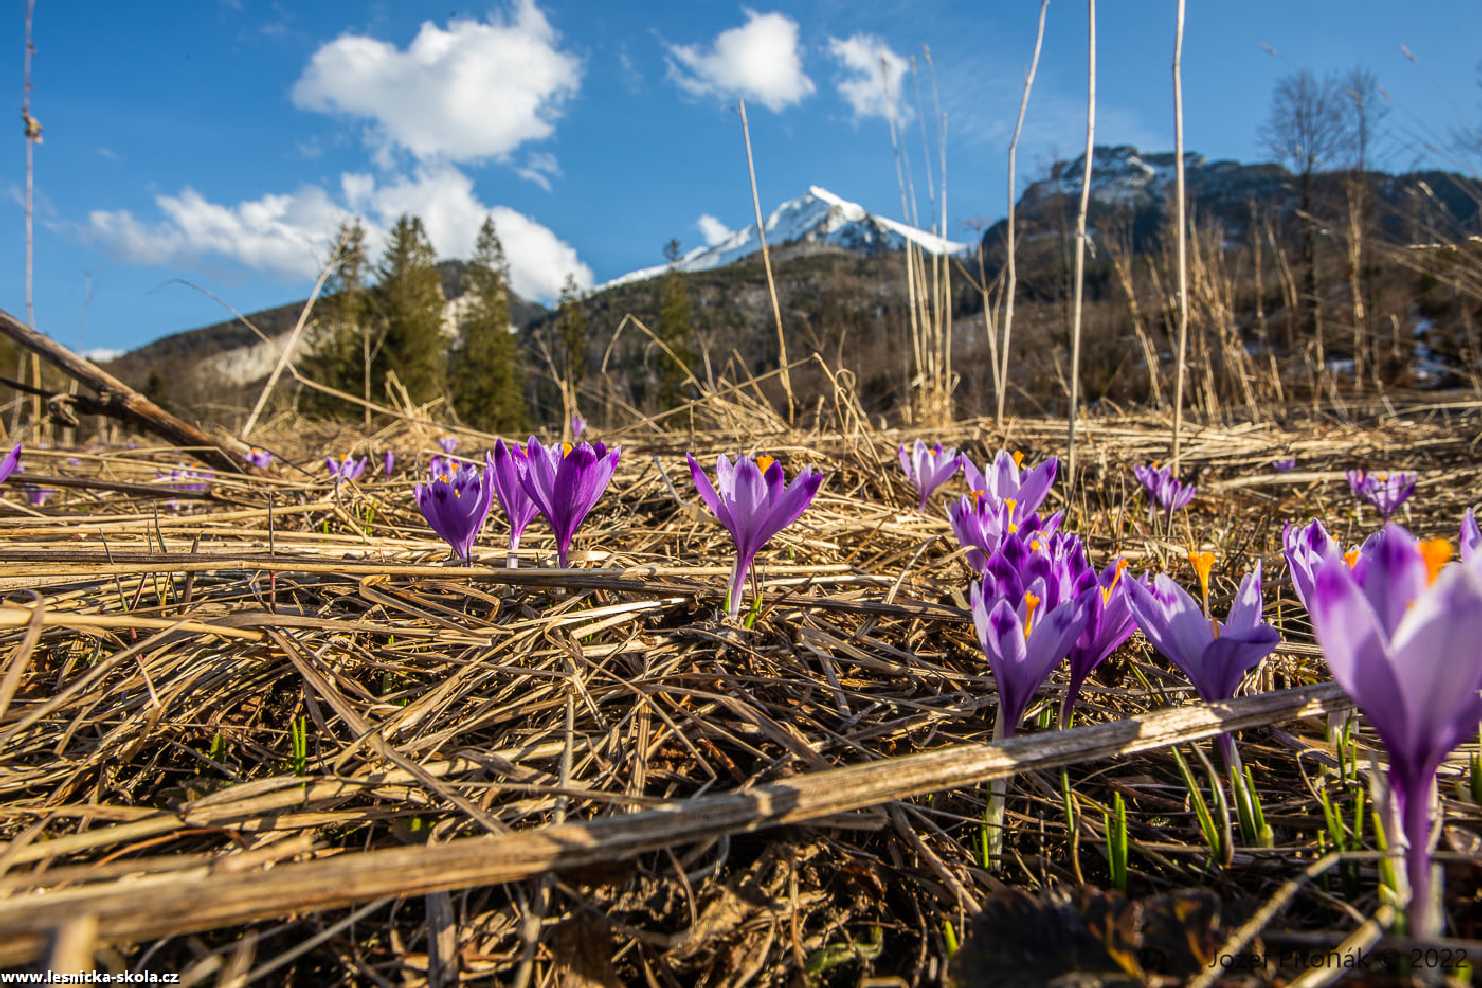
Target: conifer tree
{"points": [[409, 300], [675, 328], [487, 378], [343, 355], [571, 335]]}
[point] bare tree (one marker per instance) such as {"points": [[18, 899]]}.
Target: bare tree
{"points": [[1364, 111], [1305, 131]]}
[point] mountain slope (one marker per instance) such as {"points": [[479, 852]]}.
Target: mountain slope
{"points": [[233, 353], [1131, 192], [817, 217]]}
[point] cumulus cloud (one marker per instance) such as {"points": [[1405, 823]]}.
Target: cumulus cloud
{"points": [[445, 198], [871, 79], [286, 234], [713, 230], [291, 235], [465, 92], [760, 60]]}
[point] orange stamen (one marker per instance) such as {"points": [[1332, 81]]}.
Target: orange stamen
{"points": [[1202, 562], [1018, 458], [1010, 503], [1106, 591], [566, 449], [764, 463], [1436, 553], [1351, 557], [978, 497], [1030, 603]]}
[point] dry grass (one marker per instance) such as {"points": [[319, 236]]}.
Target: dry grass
{"points": [[156, 663]]}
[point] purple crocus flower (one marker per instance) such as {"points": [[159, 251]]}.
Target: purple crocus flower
{"points": [[981, 522], [10, 463], [1400, 631], [1214, 657], [1385, 491], [38, 495], [187, 481], [1003, 481], [1286, 465], [456, 504], [752, 499], [1109, 623], [1164, 489], [928, 467], [1150, 476], [448, 443], [1028, 613], [349, 468], [578, 425], [510, 464], [565, 482], [1471, 538], [1306, 549], [259, 458], [388, 463]]}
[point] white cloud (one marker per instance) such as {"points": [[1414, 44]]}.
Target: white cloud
{"points": [[760, 60], [470, 91], [871, 83], [540, 167], [713, 230], [444, 197], [291, 235], [285, 234]]}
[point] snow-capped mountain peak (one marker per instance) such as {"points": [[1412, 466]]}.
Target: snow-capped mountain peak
{"points": [[818, 216]]}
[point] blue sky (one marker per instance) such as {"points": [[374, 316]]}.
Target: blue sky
{"points": [[221, 141]]}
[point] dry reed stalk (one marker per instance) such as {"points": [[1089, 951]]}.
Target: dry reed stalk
{"points": [[1183, 281], [1122, 268], [1080, 244], [761, 232], [1008, 315], [32, 136], [289, 347]]}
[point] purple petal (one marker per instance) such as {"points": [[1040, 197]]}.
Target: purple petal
{"points": [[1437, 662], [707, 494], [1392, 573], [1245, 609], [1229, 657], [1471, 536], [1036, 485], [1354, 643], [8, 465]]}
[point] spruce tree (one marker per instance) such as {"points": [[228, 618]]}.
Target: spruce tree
{"points": [[571, 336], [345, 347], [409, 300], [676, 329], [486, 377]]}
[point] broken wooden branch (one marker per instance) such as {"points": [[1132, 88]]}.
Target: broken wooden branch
{"points": [[142, 907], [117, 400]]}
